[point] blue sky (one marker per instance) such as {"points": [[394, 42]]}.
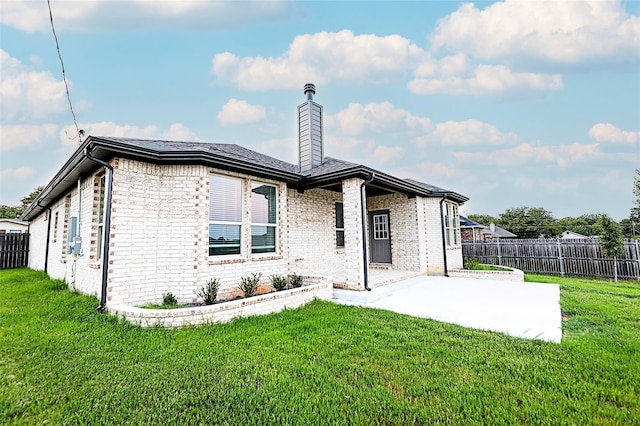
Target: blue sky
{"points": [[515, 103]]}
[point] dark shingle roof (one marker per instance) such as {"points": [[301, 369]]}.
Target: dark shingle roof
{"points": [[224, 156], [430, 188], [330, 166], [465, 222], [231, 151]]}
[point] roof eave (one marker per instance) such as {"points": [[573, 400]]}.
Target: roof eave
{"points": [[105, 149], [363, 172]]}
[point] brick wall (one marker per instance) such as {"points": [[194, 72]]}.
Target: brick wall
{"points": [[37, 242], [403, 220], [433, 231], [311, 230], [160, 224], [354, 262]]}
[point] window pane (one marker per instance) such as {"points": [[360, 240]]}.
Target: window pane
{"points": [[339, 215], [224, 239], [99, 248], [263, 239], [263, 203], [340, 239], [225, 199], [101, 203]]}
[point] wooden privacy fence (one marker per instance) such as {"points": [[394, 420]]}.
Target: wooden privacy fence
{"points": [[556, 256], [14, 250]]}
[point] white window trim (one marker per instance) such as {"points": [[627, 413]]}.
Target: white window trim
{"points": [[336, 225], [276, 249], [452, 225], [243, 185], [246, 224], [100, 223]]}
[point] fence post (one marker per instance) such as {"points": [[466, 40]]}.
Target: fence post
{"points": [[499, 254], [560, 257]]}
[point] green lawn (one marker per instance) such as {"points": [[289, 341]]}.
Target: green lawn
{"points": [[63, 363]]}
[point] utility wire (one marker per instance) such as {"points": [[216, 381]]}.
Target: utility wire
{"points": [[64, 77]]}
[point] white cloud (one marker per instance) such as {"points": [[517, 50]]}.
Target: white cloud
{"points": [[322, 58], [241, 112], [562, 32], [486, 80], [19, 137], [437, 171], [386, 154], [609, 133], [176, 131], [285, 149], [108, 15], [19, 173], [372, 118], [561, 155], [468, 132], [26, 94]]}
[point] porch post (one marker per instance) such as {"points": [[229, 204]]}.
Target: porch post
{"points": [[352, 205]]}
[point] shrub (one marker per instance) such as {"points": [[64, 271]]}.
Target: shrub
{"points": [[279, 282], [471, 263], [209, 293], [249, 284], [169, 300], [296, 281]]}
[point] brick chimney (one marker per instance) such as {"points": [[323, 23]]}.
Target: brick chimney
{"points": [[310, 140]]}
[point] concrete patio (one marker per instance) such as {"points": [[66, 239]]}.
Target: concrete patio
{"points": [[519, 309]]}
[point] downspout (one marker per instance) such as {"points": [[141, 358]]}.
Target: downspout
{"points": [[363, 202], [107, 226], [46, 250], [444, 241]]}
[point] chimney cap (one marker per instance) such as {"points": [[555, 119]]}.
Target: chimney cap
{"points": [[309, 89]]}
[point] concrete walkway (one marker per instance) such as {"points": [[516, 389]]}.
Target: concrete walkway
{"points": [[526, 310]]}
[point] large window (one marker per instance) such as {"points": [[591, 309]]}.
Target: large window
{"points": [[225, 215], [451, 224], [264, 214], [339, 224]]}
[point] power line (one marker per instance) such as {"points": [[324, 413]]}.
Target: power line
{"points": [[64, 77]]}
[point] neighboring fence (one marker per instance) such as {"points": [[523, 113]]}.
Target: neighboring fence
{"points": [[556, 256], [14, 250]]}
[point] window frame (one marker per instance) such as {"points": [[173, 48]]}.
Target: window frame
{"points": [[239, 223], [451, 225], [100, 215], [268, 225], [339, 229]]}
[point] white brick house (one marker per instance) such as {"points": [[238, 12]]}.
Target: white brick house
{"points": [[129, 219]]}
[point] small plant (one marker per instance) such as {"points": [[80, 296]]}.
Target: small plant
{"points": [[169, 300], [249, 284], [209, 293], [472, 264], [279, 282], [296, 281]]}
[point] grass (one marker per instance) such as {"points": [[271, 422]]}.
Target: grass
{"points": [[63, 363], [474, 265]]}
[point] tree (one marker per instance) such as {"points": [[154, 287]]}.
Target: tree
{"points": [[8, 212], [611, 242], [529, 222], [482, 219], [12, 212], [583, 224]]}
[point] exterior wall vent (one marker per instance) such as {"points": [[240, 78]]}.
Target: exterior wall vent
{"points": [[310, 138]]}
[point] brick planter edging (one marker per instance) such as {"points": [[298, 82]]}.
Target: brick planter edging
{"points": [[264, 304], [512, 275]]}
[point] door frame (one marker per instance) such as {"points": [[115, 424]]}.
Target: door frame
{"points": [[370, 218]]}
